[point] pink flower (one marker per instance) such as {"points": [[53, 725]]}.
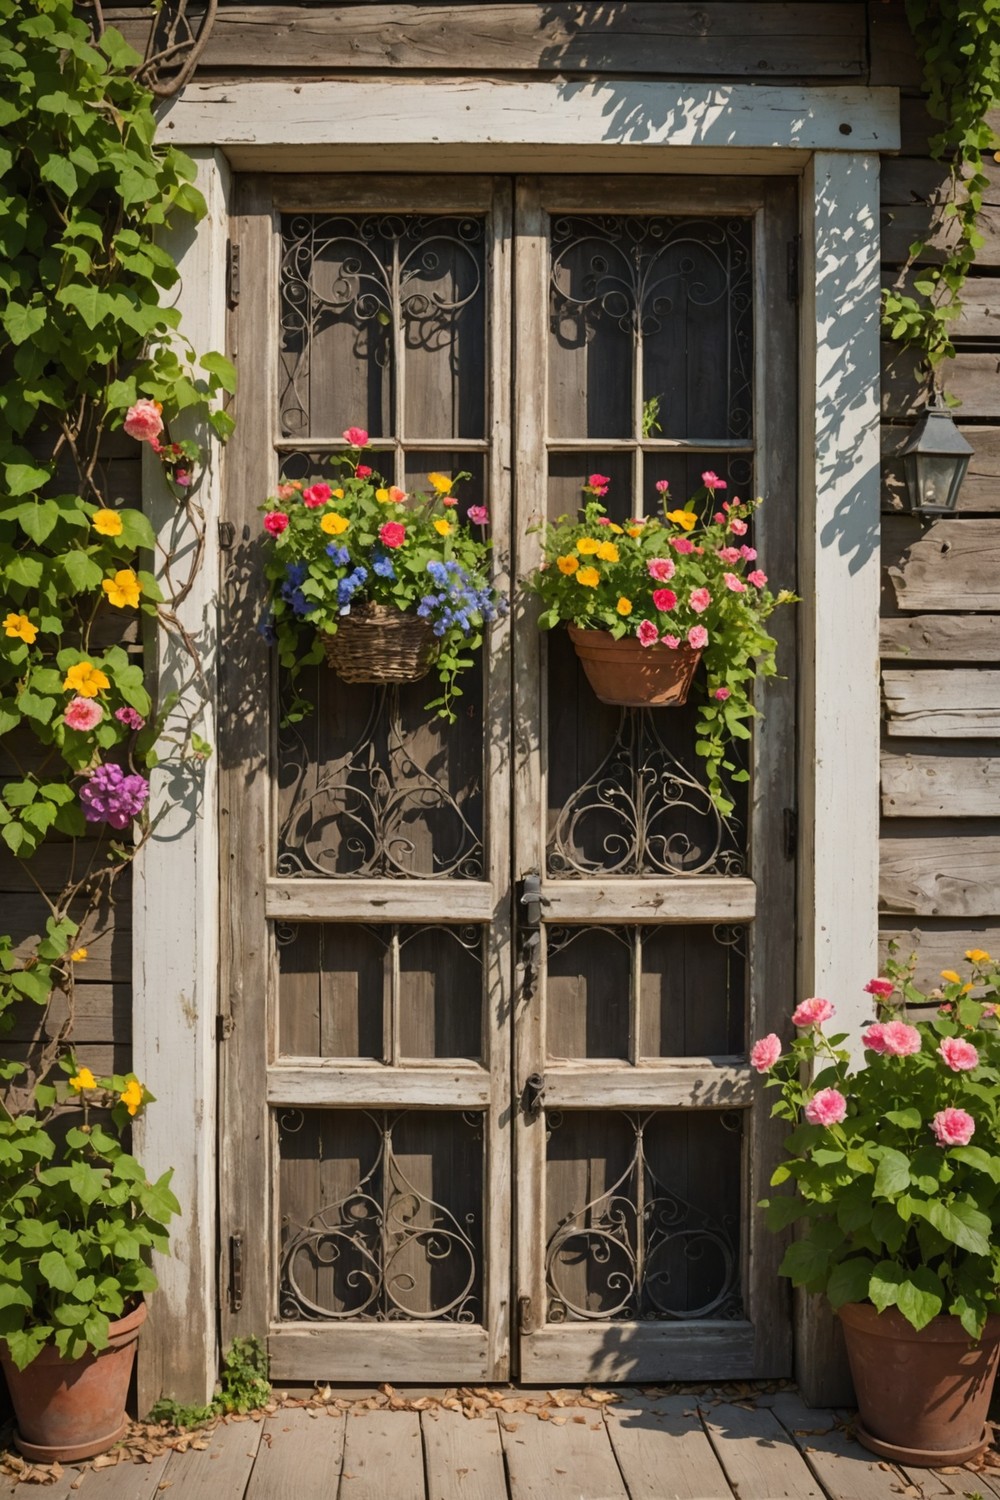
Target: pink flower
{"points": [[757, 578], [83, 714], [700, 600], [749, 553], [953, 1127], [275, 522], [604, 520], [448, 500], [662, 569], [479, 515], [712, 481], [662, 485], [874, 1038], [738, 527], [363, 471], [812, 1012], [880, 988], [315, 495], [596, 480], [959, 1056], [697, 637], [722, 694], [734, 584], [900, 1040], [682, 544], [143, 420], [287, 491], [392, 534], [729, 554], [647, 633], [130, 717], [664, 600], [718, 518], [988, 1012], [182, 477], [670, 641], [765, 1053], [355, 437], [828, 1107]]}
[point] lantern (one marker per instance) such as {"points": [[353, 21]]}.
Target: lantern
{"points": [[935, 459]]}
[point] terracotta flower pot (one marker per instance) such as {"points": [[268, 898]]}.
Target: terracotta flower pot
{"points": [[74, 1408], [922, 1397], [634, 676]]}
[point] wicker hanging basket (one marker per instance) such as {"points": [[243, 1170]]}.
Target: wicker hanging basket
{"points": [[378, 643]]}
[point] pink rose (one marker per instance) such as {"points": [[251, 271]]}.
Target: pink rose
{"points": [[363, 471], [662, 569], [900, 1040], [647, 633], [143, 421], [596, 480], [734, 584], [670, 641], [880, 988], [959, 1056], [697, 637], [355, 437], [828, 1107], [700, 600], [662, 485], [718, 518], [275, 522], [682, 544], [953, 1127], [757, 578], [765, 1053], [738, 527], [315, 495], [812, 1012], [721, 693], [712, 481], [664, 600], [479, 515], [392, 534], [729, 554], [83, 714], [874, 1038], [604, 520], [748, 552]]}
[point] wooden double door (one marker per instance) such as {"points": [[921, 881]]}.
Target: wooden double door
{"points": [[488, 990]]}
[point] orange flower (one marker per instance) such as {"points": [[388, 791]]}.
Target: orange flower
{"points": [[567, 564], [589, 577]]}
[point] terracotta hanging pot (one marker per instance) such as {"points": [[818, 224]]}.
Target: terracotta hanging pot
{"points": [[634, 676], [69, 1409], [922, 1397], [378, 643]]}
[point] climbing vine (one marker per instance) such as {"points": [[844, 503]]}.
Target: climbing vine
{"points": [[958, 42]]}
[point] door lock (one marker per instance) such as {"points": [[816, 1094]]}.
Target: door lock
{"points": [[533, 1095]]}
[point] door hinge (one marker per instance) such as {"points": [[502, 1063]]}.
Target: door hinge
{"points": [[235, 1272], [227, 535], [791, 832], [793, 266], [524, 1314], [232, 274]]}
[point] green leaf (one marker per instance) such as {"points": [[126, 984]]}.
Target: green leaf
{"points": [[959, 1223], [57, 1272], [136, 529], [22, 323], [893, 1174], [82, 570], [804, 1262], [849, 1281], [884, 1284], [223, 370], [906, 1119], [23, 478], [920, 1298]]}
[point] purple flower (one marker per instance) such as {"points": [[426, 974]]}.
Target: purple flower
{"points": [[130, 718], [110, 796]]}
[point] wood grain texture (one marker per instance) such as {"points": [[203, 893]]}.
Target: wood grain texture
{"points": [[363, 1352], [904, 224], [972, 378], [933, 567], [546, 1462], [705, 899], [622, 1352], [373, 1088], [126, 1481], [694, 1084], [955, 704], [759, 1459], [377, 900], [662, 1449], [463, 1459], [101, 1013], [841, 1465], [222, 1468], [940, 786], [937, 945], [937, 638], [301, 1453], [940, 877]]}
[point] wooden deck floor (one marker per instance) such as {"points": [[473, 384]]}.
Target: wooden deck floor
{"points": [[639, 1448]]}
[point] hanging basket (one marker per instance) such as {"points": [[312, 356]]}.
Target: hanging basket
{"points": [[378, 643], [633, 676]]}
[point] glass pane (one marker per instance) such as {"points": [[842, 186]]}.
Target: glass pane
{"points": [[693, 991], [569, 472], [442, 298], [441, 992], [587, 994], [331, 983], [591, 333]]}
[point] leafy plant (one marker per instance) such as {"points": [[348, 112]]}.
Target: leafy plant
{"points": [[896, 1166], [339, 548], [243, 1387], [686, 581]]}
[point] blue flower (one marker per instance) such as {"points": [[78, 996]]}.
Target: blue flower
{"points": [[266, 628], [383, 567], [295, 573], [339, 554], [300, 604]]}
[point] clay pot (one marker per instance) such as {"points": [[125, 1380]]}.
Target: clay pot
{"points": [[922, 1397], [68, 1409], [633, 676]]}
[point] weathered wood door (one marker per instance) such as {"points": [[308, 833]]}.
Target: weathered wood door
{"points": [[488, 990]]}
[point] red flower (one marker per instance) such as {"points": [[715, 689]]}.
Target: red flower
{"points": [[356, 437], [664, 599], [363, 471], [316, 494], [275, 522], [392, 534]]}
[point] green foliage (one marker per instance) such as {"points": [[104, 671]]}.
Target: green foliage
{"points": [[243, 1387], [892, 1209], [643, 576], [959, 46]]}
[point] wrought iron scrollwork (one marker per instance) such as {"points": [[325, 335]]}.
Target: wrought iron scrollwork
{"points": [[374, 1238], [642, 813], [634, 1239]]}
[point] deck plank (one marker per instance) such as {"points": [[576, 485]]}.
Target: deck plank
{"points": [[663, 1450], [845, 1470], [464, 1458], [760, 1460], [221, 1469], [550, 1462], [383, 1457], [126, 1481], [301, 1453]]}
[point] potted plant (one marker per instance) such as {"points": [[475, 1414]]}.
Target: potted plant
{"points": [[79, 1224], [384, 583], [646, 601], [896, 1171]]}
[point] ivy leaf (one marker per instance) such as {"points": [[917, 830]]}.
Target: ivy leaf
{"points": [[136, 529], [223, 370], [920, 1298], [893, 1173], [849, 1281], [22, 322], [804, 1262], [960, 1223], [81, 570], [23, 478], [56, 1271], [37, 518]]}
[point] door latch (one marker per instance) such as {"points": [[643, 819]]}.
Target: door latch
{"points": [[235, 1272], [530, 899], [533, 1094]]}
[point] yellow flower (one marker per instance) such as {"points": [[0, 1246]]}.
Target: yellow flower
{"points": [[608, 552], [442, 527], [567, 564], [685, 518], [383, 496], [951, 976], [635, 530], [83, 1080], [85, 679], [616, 529], [337, 494], [978, 956], [123, 590], [78, 956], [333, 523], [132, 1095], [588, 545], [624, 606], [107, 522], [589, 577], [20, 628], [441, 482], [966, 988]]}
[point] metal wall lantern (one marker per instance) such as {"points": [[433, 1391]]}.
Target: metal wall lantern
{"points": [[935, 459]]}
